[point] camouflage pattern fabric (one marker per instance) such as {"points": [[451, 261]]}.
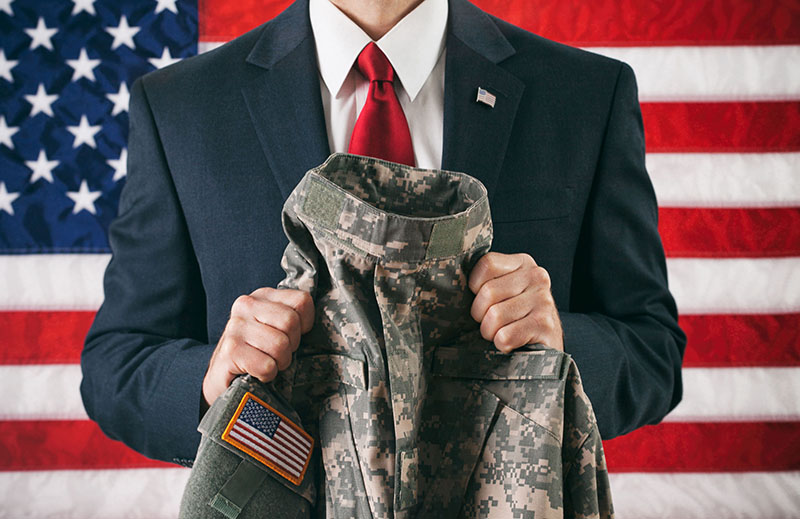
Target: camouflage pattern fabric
{"points": [[412, 412]]}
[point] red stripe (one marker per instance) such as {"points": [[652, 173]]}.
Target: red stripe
{"points": [[707, 447], [764, 126], [741, 340], [730, 233], [674, 447], [64, 445], [43, 337], [577, 22]]}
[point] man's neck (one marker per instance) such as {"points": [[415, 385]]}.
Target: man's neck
{"points": [[376, 17]]}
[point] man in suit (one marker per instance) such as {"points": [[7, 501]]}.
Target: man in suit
{"points": [[218, 141]]}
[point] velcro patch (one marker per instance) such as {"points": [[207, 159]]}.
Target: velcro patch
{"points": [[267, 435]]}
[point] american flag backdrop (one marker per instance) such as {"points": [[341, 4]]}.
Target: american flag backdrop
{"points": [[719, 83]]}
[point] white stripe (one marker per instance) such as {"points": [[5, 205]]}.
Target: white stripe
{"points": [[268, 454], [294, 434], [738, 395], [748, 495], [735, 286], [725, 179], [695, 73], [712, 73], [277, 446], [41, 392], [52, 281], [93, 494], [156, 493], [699, 285], [205, 46], [710, 394]]}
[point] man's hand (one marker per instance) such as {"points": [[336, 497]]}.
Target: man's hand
{"points": [[513, 302], [262, 332]]}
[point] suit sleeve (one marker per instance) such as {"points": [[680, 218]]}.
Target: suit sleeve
{"points": [[146, 353], [622, 326]]}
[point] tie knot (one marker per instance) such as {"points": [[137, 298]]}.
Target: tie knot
{"points": [[374, 64]]}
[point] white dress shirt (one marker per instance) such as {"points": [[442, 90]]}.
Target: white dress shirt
{"points": [[414, 47]]}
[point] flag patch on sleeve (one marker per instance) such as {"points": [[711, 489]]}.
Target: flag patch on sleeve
{"points": [[264, 433]]}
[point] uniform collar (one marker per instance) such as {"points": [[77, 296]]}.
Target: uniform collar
{"points": [[413, 46]]}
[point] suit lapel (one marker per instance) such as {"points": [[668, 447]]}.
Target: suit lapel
{"points": [[284, 98], [475, 134]]}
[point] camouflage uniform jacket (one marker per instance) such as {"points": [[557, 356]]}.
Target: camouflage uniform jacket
{"points": [[413, 414]]}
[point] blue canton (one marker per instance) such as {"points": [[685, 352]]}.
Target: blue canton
{"points": [[66, 68], [260, 417]]}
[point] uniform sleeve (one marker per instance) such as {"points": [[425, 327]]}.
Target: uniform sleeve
{"points": [[622, 326], [146, 353], [586, 488]]}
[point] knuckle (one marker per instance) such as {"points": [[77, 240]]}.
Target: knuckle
{"points": [[541, 276], [527, 259], [262, 292], [264, 369], [305, 300], [242, 305], [493, 260], [270, 368], [504, 341]]}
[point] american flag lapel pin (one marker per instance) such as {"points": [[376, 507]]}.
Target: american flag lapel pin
{"points": [[486, 97]]}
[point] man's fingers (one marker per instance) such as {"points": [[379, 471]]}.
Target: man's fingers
{"points": [[266, 339], [493, 265], [505, 312], [250, 360], [516, 334], [297, 300], [499, 289]]}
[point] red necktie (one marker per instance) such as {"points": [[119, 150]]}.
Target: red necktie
{"points": [[381, 130]]}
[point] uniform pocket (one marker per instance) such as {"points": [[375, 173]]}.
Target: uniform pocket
{"points": [[518, 471]]}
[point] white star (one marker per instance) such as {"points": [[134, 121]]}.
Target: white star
{"points": [[166, 4], [41, 102], [84, 134], [6, 132], [83, 5], [42, 168], [6, 65], [165, 59], [83, 198], [84, 67], [5, 5], [6, 198], [120, 165], [123, 34], [41, 35], [120, 99]]}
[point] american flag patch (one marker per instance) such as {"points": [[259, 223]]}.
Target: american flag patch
{"points": [[270, 437], [485, 97]]}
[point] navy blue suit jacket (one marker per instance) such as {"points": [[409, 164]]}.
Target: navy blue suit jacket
{"points": [[218, 141]]}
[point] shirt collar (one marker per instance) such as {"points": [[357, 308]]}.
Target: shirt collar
{"points": [[413, 46]]}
